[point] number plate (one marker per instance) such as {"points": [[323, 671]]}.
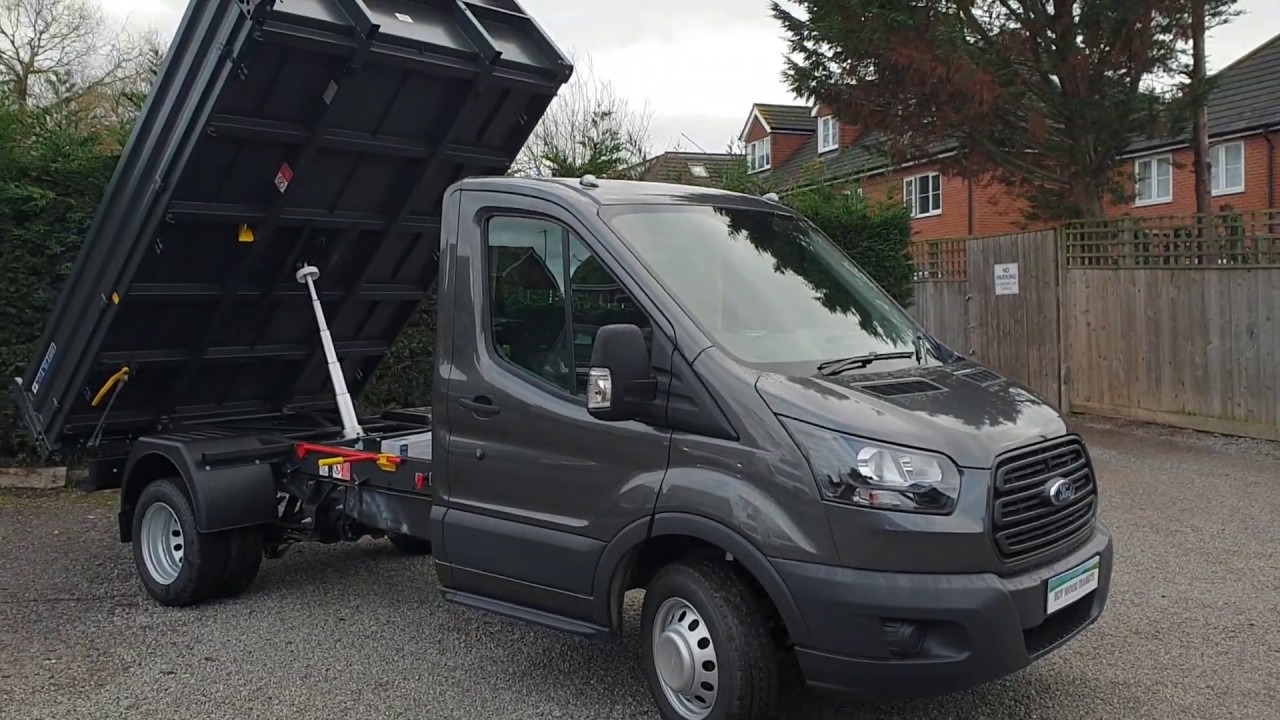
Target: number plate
{"points": [[1072, 585]]}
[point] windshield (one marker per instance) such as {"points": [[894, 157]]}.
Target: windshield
{"points": [[766, 287]]}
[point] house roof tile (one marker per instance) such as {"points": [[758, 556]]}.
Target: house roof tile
{"points": [[677, 167], [1245, 98], [788, 118]]}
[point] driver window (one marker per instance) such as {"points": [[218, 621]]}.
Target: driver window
{"points": [[541, 322]]}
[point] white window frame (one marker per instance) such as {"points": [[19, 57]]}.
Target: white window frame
{"points": [[828, 125], [1218, 164], [758, 161], [911, 198], [699, 170], [1155, 162]]}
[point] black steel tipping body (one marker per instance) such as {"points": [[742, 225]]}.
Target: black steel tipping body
{"points": [[279, 134]]}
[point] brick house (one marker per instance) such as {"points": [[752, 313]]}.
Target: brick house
{"points": [[792, 144], [1244, 129]]}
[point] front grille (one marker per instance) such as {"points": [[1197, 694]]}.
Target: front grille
{"points": [[1025, 522]]}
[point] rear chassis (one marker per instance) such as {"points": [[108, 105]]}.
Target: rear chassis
{"points": [[327, 489]]}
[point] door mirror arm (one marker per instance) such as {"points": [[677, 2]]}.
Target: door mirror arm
{"points": [[621, 379]]}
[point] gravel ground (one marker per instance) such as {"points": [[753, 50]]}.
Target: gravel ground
{"points": [[1192, 631]]}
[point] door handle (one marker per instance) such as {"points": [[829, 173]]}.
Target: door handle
{"points": [[481, 406]]}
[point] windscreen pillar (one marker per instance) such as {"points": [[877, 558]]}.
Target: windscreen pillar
{"points": [[307, 274]]}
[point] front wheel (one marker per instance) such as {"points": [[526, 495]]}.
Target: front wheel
{"points": [[706, 645], [179, 565]]}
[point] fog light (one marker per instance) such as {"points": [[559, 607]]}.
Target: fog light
{"points": [[903, 638]]}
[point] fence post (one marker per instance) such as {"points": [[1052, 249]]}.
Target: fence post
{"points": [[1064, 337]]}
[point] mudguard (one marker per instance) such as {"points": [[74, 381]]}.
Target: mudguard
{"points": [[224, 498], [709, 531]]}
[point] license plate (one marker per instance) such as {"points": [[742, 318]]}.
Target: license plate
{"points": [[1072, 585]]}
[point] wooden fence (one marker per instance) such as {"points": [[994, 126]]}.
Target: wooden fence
{"points": [[1172, 320]]}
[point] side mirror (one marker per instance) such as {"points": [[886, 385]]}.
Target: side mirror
{"points": [[620, 376]]}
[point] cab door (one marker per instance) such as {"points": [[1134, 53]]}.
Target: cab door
{"points": [[536, 487]]}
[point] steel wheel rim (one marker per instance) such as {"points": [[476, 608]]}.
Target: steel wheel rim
{"points": [[684, 657], [162, 543]]}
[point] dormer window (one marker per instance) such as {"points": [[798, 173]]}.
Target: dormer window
{"points": [[760, 155], [828, 133]]}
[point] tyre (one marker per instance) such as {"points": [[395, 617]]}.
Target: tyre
{"points": [[179, 566], [410, 545], [245, 548], [707, 652]]}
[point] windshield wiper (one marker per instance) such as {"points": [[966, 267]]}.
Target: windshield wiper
{"points": [[835, 367]]}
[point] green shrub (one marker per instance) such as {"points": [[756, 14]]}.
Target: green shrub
{"points": [[874, 235], [52, 174]]}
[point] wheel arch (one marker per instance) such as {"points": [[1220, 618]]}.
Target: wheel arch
{"points": [[687, 534], [222, 498]]}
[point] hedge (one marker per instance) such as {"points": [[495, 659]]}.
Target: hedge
{"points": [[52, 174]]}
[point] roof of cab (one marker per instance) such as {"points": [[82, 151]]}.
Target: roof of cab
{"points": [[603, 192]]}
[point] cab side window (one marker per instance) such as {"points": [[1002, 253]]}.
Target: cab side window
{"points": [[548, 295], [527, 312], [598, 299]]}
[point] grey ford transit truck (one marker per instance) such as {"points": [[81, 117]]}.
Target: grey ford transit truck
{"points": [[634, 386]]}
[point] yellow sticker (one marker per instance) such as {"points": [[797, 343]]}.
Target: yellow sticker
{"points": [[115, 298], [246, 234]]}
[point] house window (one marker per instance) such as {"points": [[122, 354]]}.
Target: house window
{"points": [[699, 171], [923, 194], [828, 133], [759, 155], [1155, 180], [1227, 168]]}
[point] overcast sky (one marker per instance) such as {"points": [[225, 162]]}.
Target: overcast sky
{"points": [[697, 64]]}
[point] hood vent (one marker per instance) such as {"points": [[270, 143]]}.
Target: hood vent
{"points": [[982, 376], [900, 388]]}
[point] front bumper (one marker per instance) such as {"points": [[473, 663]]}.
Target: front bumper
{"points": [[970, 629]]}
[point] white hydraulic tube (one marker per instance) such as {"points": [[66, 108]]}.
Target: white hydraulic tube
{"points": [[307, 275]]}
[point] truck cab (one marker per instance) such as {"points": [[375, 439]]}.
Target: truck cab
{"points": [[794, 458]]}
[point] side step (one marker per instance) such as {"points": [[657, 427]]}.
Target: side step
{"points": [[524, 614]]}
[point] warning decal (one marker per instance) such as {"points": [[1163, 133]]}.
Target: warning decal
{"points": [[284, 177]]}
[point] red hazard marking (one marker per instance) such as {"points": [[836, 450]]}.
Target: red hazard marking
{"points": [[284, 177]]}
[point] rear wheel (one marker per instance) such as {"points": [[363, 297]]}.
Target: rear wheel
{"points": [[706, 644], [244, 559], [179, 565], [410, 545]]}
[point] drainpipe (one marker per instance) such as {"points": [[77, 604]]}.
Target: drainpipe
{"points": [[1271, 169], [968, 181]]}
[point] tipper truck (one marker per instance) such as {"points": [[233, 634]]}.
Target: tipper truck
{"points": [[634, 385]]}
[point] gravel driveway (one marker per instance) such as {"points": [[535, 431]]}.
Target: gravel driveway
{"points": [[1192, 631]]}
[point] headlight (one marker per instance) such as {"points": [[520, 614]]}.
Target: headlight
{"points": [[875, 475]]}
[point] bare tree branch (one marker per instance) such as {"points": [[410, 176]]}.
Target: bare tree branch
{"points": [[56, 52], [589, 129]]}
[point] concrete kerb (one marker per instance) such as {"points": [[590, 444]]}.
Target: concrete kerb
{"points": [[34, 478]]}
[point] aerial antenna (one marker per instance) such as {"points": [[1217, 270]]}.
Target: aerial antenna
{"points": [[686, 137]]}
